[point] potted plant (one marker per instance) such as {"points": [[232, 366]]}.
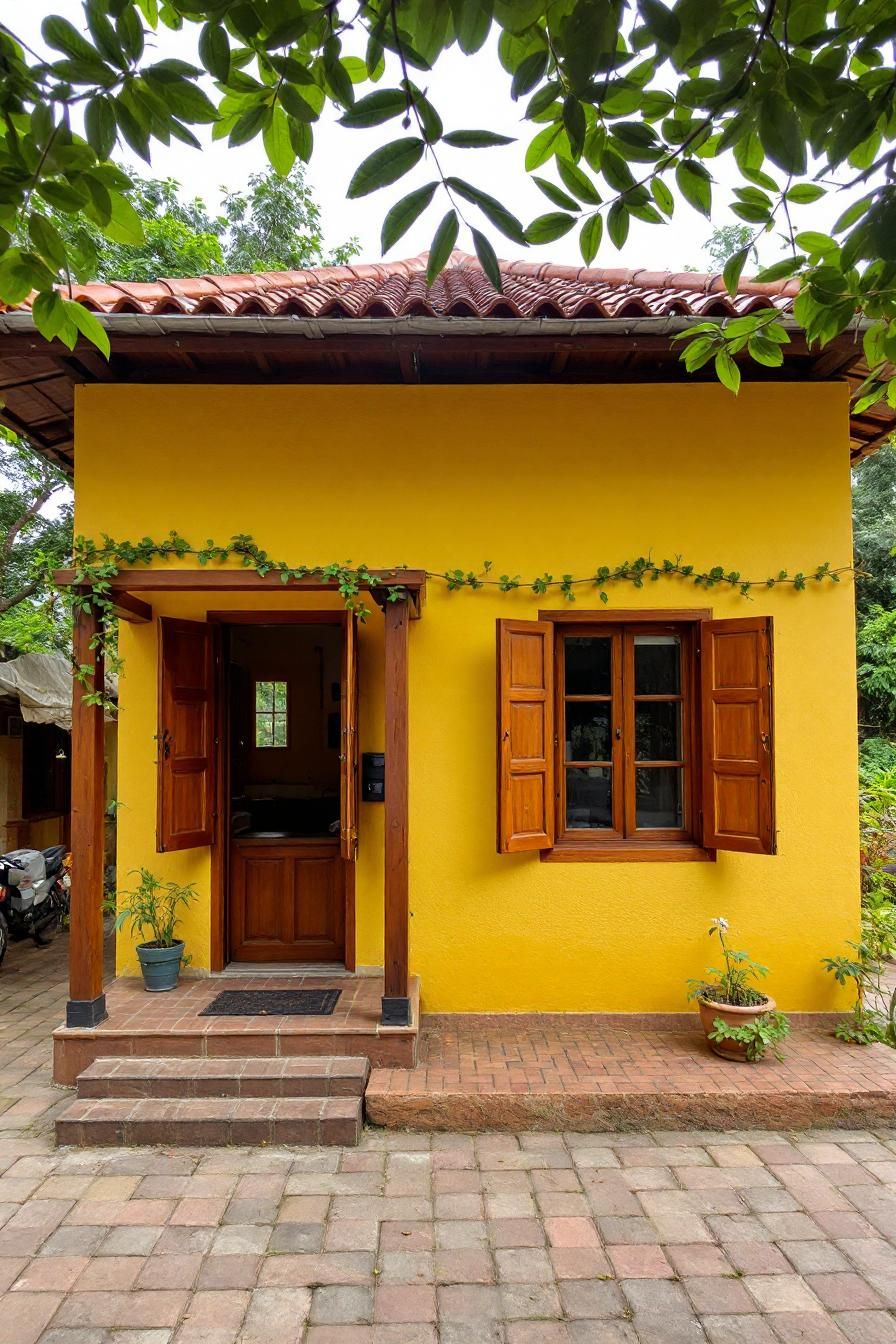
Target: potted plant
{"points": [[739, 1021], [153, 907]]}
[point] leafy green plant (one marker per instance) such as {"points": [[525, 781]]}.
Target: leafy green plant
{"points": [[870, 1021], [877, 825], [635, 110], [97, 563], [152, 907], [731, 983], [765, 1033]]}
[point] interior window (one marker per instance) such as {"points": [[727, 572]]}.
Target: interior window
{"points": [[624, 720], [271, 714]]}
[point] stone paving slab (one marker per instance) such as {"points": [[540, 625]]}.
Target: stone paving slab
{"points": [[650, 1236]]}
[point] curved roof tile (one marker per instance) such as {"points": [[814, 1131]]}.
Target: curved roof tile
{"points": [[398, 289]]}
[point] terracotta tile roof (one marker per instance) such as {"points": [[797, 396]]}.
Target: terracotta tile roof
{"points": [[398, 289]]}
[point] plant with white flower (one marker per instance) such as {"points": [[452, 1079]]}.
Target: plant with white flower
{"points": [[730, 984]]}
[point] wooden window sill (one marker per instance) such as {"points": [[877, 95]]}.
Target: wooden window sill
{"points": [[627, 851]]}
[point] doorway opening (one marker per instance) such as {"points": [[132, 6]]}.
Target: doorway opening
{"points": [[288, 880]]}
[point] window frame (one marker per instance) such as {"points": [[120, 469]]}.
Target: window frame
{"points": [[582, 845], [273, 714]]}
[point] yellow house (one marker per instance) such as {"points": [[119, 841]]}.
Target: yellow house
{"points": [[581, 700]]}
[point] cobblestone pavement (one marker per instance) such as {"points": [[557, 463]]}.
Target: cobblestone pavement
{"points": [[637, 1238]]}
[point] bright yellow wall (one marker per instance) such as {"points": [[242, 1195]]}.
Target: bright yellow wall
{"points": [[533, 478]]}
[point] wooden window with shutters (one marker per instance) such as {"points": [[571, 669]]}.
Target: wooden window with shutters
{"points": [[641, 735]]}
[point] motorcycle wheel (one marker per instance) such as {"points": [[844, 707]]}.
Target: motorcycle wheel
{"points": [[45, 934], [4, 937]]}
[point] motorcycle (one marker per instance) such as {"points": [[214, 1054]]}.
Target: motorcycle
{"points": [[34, 908]]}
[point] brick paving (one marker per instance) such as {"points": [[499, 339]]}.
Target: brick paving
{"points": [[586, 1071], [646, 1237]]}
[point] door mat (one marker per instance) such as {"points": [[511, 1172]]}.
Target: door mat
{"points": [[272, 1003]]}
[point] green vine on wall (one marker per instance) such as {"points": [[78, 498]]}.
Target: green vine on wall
{"points": [[96, 565]]}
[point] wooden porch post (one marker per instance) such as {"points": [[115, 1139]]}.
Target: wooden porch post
{"points": [[396, 1000], [87, 1003]]}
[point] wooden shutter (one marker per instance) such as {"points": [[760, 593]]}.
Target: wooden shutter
{"points": [[525, 735], [186, 735], [348, 757], [738, 752]]}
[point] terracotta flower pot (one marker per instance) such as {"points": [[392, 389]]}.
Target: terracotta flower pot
{"points": [[732, 1016]]}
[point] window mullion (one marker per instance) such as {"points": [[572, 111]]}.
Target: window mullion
{"points": [[620, 733]]}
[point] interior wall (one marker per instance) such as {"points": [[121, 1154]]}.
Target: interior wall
{"points": [[308, 659]]}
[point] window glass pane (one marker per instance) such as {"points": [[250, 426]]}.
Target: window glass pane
{"points": [[280, 697], [279, 730], [587, 662], [658, 730], [658, 798], [589, 798], [587, 731], [264, 730], [657, 665], [264, 695]]}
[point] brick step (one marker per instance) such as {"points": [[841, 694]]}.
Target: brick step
{"points": [[290, 1076], [210, 1121]]}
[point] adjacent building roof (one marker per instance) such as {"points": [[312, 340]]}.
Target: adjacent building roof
{"points": [[380, 323]]}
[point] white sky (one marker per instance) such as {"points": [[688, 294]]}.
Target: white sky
{"points": [[469, 92]]}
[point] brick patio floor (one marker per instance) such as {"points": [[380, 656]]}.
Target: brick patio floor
{"points": [[648, 1237]]}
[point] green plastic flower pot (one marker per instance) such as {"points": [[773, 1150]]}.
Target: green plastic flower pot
{"points": [[160, 966]]}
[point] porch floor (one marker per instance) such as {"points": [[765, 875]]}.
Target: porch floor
{"points": [[166, 1025], [585, 1072]]}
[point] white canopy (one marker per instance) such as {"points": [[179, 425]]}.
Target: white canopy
{"points": [[42, 684]]}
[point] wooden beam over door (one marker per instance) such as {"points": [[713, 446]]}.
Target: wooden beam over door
{"points": [[396, 997], [411, 582], [87, 1003]]}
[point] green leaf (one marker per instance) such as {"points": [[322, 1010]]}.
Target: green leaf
{"points": [[555, 194], [528, 73], [487, 258], [578, 182], [733, 269], [575, 123], [589, 238], [472, 21], [125, 225], [48, 313], [47, 241], [100, 125], [64, 36], [278, 143], [780, 270], [442, 246], [663, 26], [88, 325], [546, 228], [695, 185], [476, 139], [494, 211], [249, 124], [376, 108], [781, 134], [404, 213], [766, 352], [617, 224], [214, 50], [816, 244], [385, 165], [804, 193], [662, 195], [296, 104], [546, 143], [727, 372]]}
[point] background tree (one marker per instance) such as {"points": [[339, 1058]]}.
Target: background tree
{"points": [[35, 538], [274, 224]]}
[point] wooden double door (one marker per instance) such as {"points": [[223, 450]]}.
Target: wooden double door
{"points": [[287, 900]]}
